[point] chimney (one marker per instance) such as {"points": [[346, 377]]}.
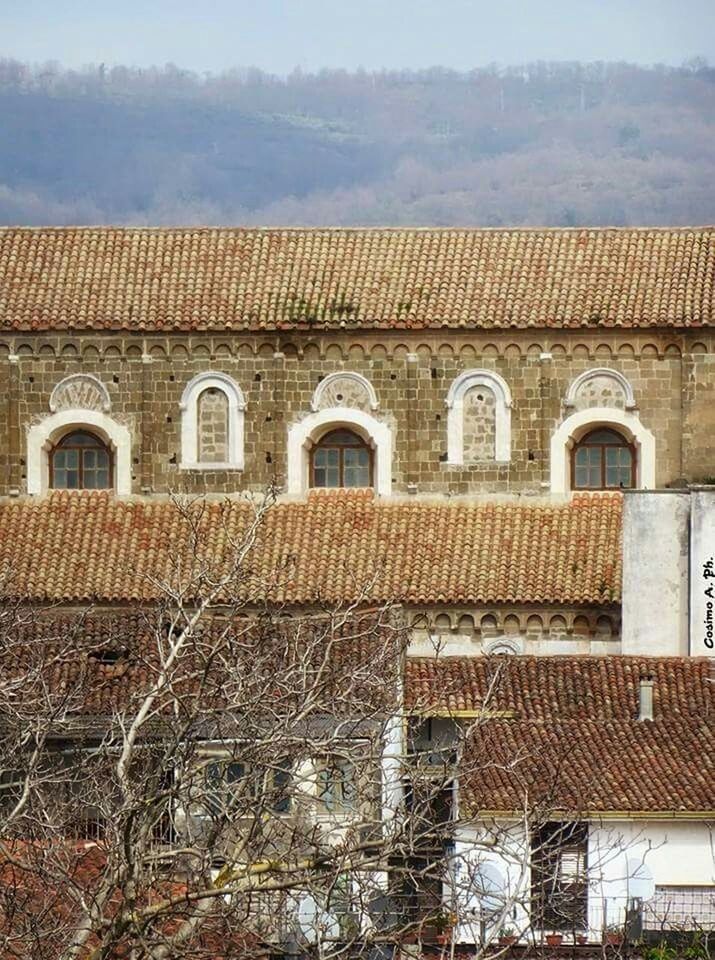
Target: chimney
{"points": [[645, 699]]}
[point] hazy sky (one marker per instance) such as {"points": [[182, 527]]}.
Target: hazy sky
{"points": [[278, 35]]}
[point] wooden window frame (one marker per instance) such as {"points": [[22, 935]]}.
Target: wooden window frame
{"points": [[360, 444], [582, 444], [100, 445]]}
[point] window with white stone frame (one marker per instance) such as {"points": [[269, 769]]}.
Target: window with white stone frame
{"points": [[478, 419], [212, 407], [79, 444], [601, 443]]}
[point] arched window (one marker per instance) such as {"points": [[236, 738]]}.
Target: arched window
{"points": [[80, 461], [603, 460], [212, 408], [341, 459], [478, 418]]}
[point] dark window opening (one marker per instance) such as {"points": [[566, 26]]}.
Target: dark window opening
{"points": [[238, 789], [341, 459], [603, 460], [108, 655], [80, 461], [559, 881]]}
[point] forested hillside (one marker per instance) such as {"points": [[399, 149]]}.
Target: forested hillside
{"points": [[544, 144]]}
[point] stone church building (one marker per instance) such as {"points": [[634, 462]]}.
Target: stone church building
{"points": [[505, 431]]}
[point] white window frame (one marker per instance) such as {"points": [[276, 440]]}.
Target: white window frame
{"points": [[582, 422], [190, 426], [41, 437], [304, 434], [455, 411]]}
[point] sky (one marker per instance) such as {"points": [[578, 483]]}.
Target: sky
{"points": [[279, 35]]}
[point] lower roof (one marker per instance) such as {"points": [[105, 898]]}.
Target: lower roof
{"points": [[563, 734], [335, 546]]}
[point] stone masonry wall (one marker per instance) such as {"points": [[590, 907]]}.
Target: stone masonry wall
{"points": [[213, 426], [672, 375]]}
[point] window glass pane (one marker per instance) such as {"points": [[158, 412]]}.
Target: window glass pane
{"points": [[357, 467], [336, 786], [220, 776], [612, 477], [80, 439], [66, 470], [581, 465], [95, 469], [587, 461], [326, 467], [626, 465]]}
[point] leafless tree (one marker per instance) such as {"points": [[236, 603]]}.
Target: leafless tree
{"points": [[217, 774]]}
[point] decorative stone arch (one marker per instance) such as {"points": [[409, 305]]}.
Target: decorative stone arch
{"points": [[503, 644], [345, 388], [80, 390], [189, 421], [580, 382], [41, 437], [580, 423], [455, 413], [304, 434]]}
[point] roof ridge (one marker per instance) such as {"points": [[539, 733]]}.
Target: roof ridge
{"points": [[386, 228]]}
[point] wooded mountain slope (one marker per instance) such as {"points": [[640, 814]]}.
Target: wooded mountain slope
{"points": [[546, 144]]}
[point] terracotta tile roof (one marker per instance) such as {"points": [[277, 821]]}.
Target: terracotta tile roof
{"points": [[92, 546], [546, 689], [63, 662], [45, 886], [575, 743], [585, 766], [195, 279]]}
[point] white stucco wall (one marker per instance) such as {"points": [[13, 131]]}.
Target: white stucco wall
{"points": [[655, 573], [702, 573], [675, 852], [492, 858]]}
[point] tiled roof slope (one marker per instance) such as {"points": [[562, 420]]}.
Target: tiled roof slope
{"points": [[194, 279], [546, 689], [586, 766], [349, 661], [575, 742], [332, 547]]}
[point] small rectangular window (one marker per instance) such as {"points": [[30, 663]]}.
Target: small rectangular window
{"points": [[234, 788], [337, 786]]}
